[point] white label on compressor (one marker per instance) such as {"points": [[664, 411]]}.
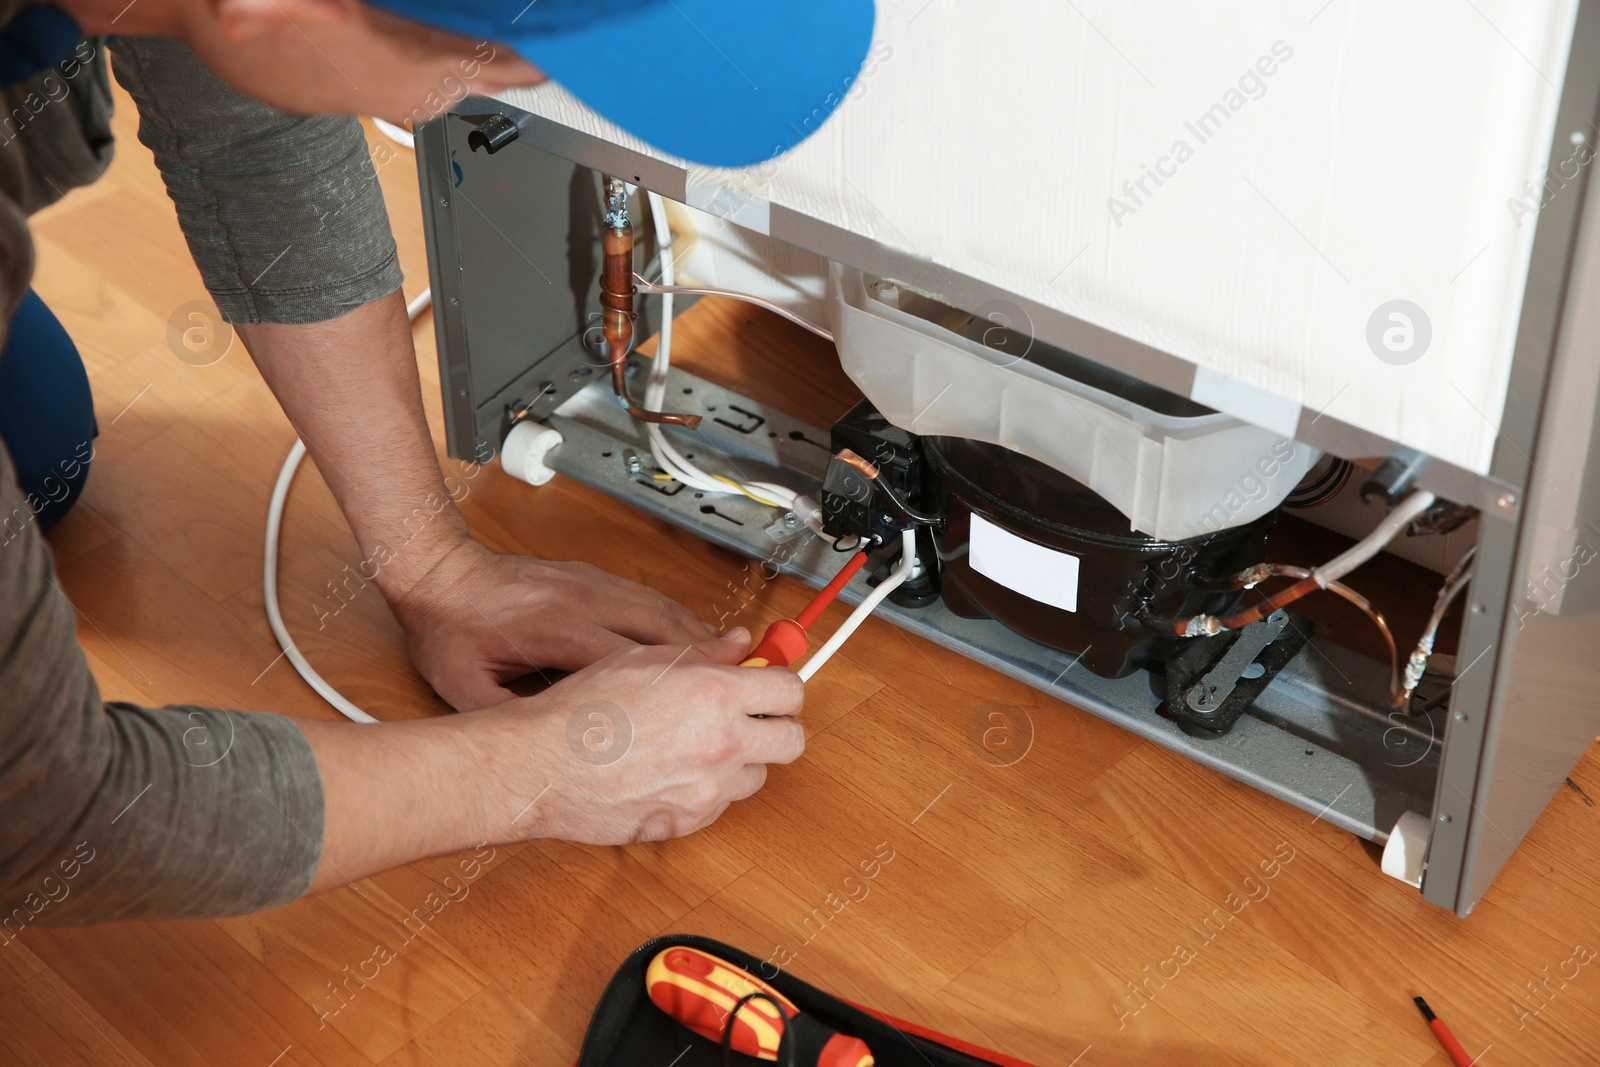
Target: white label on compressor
{"points": [[1039, 573]]}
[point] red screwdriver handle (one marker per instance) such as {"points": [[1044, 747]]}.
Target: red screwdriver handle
{"points": [[699, 990], [783, 643]]}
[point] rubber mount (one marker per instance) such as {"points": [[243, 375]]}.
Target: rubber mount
{"points": [[525, 449], [1202, 654]]}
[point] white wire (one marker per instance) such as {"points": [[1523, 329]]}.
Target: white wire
{"points": [[269, 587], [419, 305], [1330, 572], [397, 134], [667, 289], [667, 457], [908, 560], [1370, 545], [269, 565]]}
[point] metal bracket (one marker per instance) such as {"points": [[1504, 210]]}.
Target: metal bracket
{"points": [[1208, 690], [1212, 691]]}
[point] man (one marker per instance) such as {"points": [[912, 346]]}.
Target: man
{"points": [[283, 217]]}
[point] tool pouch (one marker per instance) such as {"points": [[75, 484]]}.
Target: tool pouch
{"points": [[627, 1029]]}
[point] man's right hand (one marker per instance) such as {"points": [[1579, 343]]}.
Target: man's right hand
{"points": [[650, 743]]}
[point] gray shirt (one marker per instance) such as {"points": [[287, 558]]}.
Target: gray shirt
{"points": [[110, 810]]}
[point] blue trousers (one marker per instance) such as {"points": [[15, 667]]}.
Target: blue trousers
{"points": [[46, 411]]}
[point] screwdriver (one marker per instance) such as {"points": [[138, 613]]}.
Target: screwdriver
{"points": [[699, 990], [785, 640], [1452, 1047]]}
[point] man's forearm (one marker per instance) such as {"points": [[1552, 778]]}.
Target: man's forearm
{"points": [[404, 790], [473, 618], [350, 388]]}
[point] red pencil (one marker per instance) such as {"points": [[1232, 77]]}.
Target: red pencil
{"points": [[1458, 1055]]}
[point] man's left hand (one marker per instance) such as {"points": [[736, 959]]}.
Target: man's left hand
{"points": [[478, 619]]}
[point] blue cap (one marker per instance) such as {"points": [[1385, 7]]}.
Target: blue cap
{"points": [[725, 83]]}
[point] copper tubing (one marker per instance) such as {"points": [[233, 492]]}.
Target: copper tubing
{"points": [[1207, 624], [1417, 662], [616, 289], [874, 475], [616, 300], [848, 457], [1254, 576], [1376, 616], [1307, 583]]}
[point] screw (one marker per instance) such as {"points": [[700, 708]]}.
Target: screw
{"points": [[632, 463], [1461, 716], [1443, 817], [454, 302], [444, 201], [790, 520], [1505, 501]]}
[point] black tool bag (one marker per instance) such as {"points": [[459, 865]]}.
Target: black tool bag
{"points": [[628, 1030]]}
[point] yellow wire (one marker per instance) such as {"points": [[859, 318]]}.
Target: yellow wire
{"points": [[660, 477], [746, 492]]}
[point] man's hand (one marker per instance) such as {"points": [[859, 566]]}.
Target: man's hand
{"points": [[479, 618], [474, 618], [650, 743]]}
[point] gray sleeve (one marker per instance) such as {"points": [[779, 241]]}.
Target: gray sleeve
{"points": [[283, 213], [110, 811]]}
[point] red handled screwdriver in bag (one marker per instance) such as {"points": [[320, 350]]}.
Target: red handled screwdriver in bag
{"points": [[699, 990]]}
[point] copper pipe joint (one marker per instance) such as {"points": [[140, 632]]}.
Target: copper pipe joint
{"points": [[846, 456], [616, 298]]}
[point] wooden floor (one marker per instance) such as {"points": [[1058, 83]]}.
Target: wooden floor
{"points": [[1022, 907]]}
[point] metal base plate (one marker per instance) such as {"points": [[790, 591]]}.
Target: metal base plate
{"points": [[1320, 737]]}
